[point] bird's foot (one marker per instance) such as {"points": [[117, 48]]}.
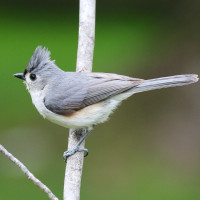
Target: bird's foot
{"points": [[79, 132], [71, 152]]}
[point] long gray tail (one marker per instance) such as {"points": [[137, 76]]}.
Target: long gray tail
{"points": [[165, 82]]}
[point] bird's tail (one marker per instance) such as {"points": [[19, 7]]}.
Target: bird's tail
{"points": [[165, 82]]}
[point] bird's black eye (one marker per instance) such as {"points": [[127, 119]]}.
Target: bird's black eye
{"points": [[32, 77]]}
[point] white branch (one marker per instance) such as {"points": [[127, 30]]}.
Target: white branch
{"points": [[86, 35], [74, 165], [30, 176]]}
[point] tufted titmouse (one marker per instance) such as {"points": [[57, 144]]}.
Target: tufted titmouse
{"points": [[81, 100]]}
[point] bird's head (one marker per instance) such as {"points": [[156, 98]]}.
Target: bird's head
{"points": [[39, 70]]}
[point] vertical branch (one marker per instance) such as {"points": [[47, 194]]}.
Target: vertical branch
{"points": [[86, 35], [73, 173]]}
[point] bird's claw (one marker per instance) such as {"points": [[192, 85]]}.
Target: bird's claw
{"points": [[71, 152]]}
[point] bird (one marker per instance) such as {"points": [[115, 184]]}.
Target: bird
{"points": [[81, 100]]}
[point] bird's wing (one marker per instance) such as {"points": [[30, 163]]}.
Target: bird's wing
{"points": [[111, 76], [96, 87]]}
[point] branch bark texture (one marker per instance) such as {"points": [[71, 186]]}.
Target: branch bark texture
{"points": [[73, 173], [30, 176]]}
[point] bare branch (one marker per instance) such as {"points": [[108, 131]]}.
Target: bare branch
{"points": [[85, 53], [74, 165], [30, 176]]}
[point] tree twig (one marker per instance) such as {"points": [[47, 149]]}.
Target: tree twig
{"points": [[30, 176], [74, 165]]}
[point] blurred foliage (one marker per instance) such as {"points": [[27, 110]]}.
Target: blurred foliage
{"points": [[150, 149]]}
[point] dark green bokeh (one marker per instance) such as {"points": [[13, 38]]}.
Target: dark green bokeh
{"points": [[150, 149]]}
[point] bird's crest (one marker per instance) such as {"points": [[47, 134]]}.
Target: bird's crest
{"points": [[39, 59]]}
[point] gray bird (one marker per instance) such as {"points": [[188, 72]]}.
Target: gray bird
{"points": [[81, 100]]}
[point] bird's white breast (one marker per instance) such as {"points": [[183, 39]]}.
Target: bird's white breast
{"points": [[37, 99]]}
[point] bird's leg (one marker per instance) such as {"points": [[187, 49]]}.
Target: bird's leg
{"points": [[72, 151], [79, 132]]}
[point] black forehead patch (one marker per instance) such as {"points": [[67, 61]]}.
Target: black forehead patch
{"points": [[25, 72]]}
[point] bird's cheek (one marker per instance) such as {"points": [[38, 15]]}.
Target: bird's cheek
{"points": [[27, 85]]}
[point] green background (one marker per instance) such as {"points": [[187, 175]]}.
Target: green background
{"points": [[150, 148]]}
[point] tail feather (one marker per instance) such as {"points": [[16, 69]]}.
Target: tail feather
{"points": [[165, 82]]}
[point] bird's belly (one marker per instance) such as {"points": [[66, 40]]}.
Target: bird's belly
{"points": [[86, 117]]}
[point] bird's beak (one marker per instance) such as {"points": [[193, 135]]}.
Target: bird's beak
{"points": [[20, 75]]}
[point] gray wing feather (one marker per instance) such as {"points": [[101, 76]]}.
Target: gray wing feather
{"points": [[86, 89], [111, 76]]}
